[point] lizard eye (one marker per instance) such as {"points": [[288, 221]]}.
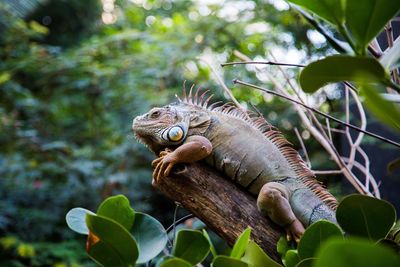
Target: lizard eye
{"points": [[173, 134], [155, 114]]}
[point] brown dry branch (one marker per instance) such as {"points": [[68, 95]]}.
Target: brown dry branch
{"points": [[222, 205]]}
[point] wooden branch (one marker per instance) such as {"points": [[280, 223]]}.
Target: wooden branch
{"points": [[223, 206]]}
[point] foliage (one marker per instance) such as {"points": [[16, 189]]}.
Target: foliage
{"points": [[109, 240], [69, 90], [321, 243], [14, 252], [325, 244], [358, 24]]}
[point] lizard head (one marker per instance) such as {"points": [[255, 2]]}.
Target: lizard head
{"points": [[161, 127], [168, 126]]}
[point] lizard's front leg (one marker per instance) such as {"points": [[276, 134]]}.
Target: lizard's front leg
{"points": [[273, 201], [194, 148]]}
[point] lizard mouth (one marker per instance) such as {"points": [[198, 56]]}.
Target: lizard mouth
{"points": [[148, 141]]}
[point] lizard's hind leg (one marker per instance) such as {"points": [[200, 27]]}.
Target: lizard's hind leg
{"points": [[273, 201]]}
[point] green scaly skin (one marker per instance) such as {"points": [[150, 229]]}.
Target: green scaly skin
{"points": [[247, 150]]}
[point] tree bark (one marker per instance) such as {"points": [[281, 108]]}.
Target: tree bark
{"points": [[221, 204]]}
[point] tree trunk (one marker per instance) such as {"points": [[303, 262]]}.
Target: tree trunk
{"points": [[223, 206]]}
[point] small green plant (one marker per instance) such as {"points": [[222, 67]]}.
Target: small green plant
{"points": [[119, 236]]}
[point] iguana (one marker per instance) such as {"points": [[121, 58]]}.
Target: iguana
{"points": [[243, 146]]}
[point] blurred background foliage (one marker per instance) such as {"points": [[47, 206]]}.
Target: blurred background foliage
{"points": [[73, 74]]}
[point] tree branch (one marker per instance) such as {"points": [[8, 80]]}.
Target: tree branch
{"points": [[223, 206]]}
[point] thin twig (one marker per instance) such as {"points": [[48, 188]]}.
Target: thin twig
{"points": [[386, 140], [223, 85], [363, 119], [296, 91], [374, 52], [335, 130], [361, 168], [338, 47], [326, 172], [328, 126], [303, 147], [275, 64], [262, 62], [389, 34], [366, 166]]}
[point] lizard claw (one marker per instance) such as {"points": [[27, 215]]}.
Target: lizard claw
{"points": [[155, 162], [294, 231], [163, 165]]}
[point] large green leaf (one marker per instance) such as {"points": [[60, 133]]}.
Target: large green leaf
{"points": [[225, 261], [76, 220], [331, 10], [175, 262], [104, 255], [212, 248], [292, 258], [355, 253], [150, 236], [365, 216], [315, 235], [391, 58], [256, 257], [366, 19], [340, 68], [191, 246], [108, 237], [241, 243], [385, 111], [118, 209], [282, 246]]}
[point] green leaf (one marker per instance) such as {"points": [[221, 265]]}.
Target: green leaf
{"points": [[365, 216], [225, 261], [118, 209], [241, 243], [282, 246], [102, 254], [292, 258], [39, 28], [340, 68], [391, 58], [150, 236], [332, 11], [384, 110], [355, 253], [4, 77], [191, 246], [76, 220], [256, 257], [212, 248], [175, 262], [315, 235], [109, 238], [306, 262], [366, 19]]}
